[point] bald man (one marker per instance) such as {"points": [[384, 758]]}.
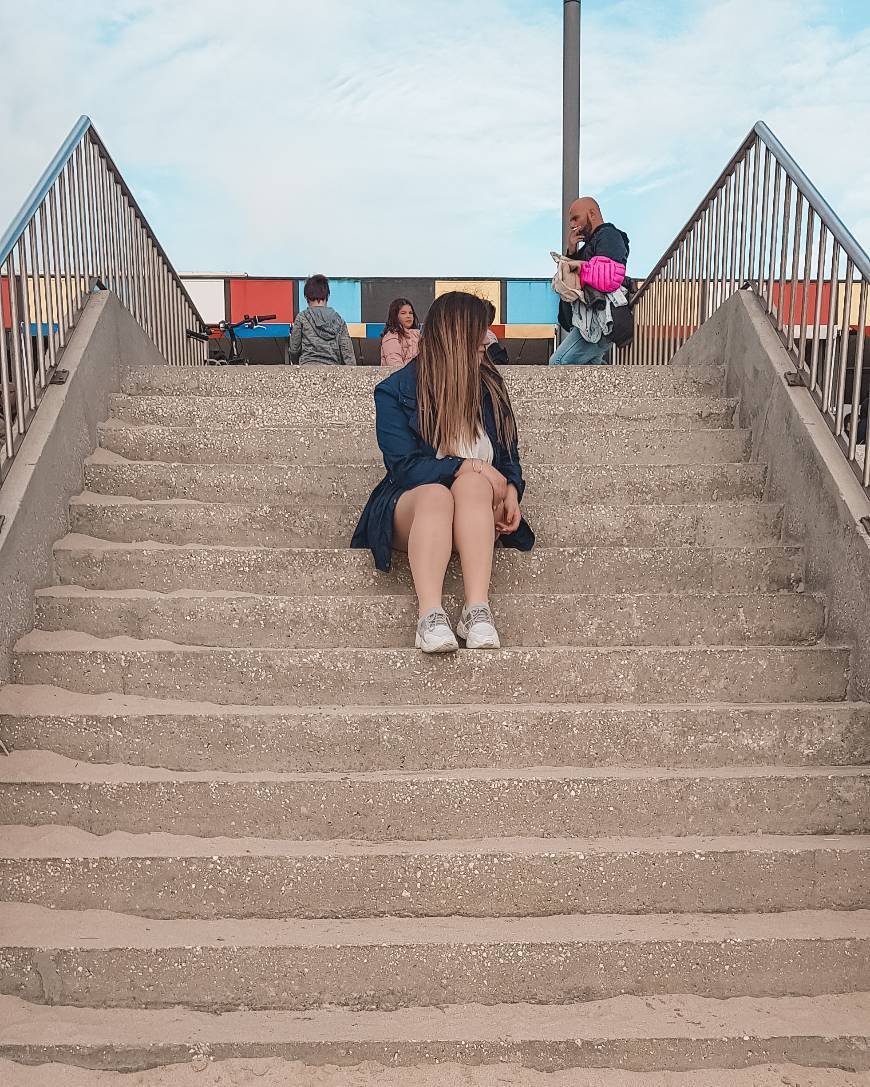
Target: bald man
{"points": [[589, 236]]}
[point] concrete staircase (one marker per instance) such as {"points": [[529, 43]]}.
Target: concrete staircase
{"points": [[243, 819]]}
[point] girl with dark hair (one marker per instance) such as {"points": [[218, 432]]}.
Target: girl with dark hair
{"points": [[447, 431], [401, 335]]}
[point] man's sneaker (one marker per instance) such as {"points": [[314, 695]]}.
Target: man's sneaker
{"points": [[434, 634], [477, 629]]}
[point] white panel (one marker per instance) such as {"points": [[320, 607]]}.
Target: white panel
{"points": [[208, 294]]}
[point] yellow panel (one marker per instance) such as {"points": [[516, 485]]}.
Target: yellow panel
{"points": [[488, 289], [357, 331], [529, 332], [58, 294]]}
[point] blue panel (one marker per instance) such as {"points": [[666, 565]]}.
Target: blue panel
{"points": [[345, 297], [274, 330], [531, 302], [33, 332], [373, 332]]}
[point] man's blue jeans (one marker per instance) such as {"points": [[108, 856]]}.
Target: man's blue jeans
{"points": [[575, 351]]}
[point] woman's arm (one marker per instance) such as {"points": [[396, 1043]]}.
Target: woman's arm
{"points": [[391, 350], [408, 464], [507, 461]]}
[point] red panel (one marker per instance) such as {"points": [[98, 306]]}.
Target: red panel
{"points": [[498, 330], [4, 302], [262, 296], [799, 299]]}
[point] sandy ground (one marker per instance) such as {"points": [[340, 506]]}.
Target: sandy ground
{"points": [[277, 1073]]}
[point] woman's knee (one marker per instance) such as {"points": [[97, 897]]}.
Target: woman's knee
{"points": [[433, 498], [472, 487]]}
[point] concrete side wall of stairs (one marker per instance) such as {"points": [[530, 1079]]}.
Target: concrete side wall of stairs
{"points": [[34, 498], [806, 472]]}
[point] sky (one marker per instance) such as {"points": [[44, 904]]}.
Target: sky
{"points": [[378, 137]]}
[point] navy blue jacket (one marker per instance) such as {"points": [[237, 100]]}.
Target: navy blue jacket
{"points": [[411, 462]]}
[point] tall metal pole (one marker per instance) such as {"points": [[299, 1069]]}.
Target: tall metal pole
{"points": [[570, 110]]}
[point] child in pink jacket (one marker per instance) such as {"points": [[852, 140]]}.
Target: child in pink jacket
{"points": [[401, 336]]}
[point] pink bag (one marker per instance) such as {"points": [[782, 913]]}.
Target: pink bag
{"points": [[602, 274]]}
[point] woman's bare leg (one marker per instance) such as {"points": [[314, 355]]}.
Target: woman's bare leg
{"points": [[474, 534], [423, 526]]}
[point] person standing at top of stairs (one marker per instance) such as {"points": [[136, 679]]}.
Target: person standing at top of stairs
{"points": [[320, 336], [453, 479], [605, 247]]}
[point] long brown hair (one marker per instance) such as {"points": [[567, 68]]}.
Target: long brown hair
{"points": [[393, 323], [451, 376]]}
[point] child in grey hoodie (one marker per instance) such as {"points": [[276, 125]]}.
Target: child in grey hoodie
{"points": [[320, 336]]}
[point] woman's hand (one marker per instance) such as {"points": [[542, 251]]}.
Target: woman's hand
{"points": [[498, 483], [508, 517]]}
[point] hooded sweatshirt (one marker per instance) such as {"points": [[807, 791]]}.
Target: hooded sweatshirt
{"points": [[320, 338]]}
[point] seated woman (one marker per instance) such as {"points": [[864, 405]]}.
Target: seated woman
{"points": [[447, 431], [401, 336]]}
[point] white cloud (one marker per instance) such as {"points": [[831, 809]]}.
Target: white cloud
{"points": [[365, 137]]}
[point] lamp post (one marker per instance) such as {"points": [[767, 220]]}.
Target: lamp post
{"points": [[570, 110]]}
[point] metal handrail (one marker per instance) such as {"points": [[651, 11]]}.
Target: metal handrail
{"points": [[764, 226], [80, 229]]}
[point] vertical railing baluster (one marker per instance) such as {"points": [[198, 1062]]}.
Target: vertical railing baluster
{"points": [[36, 264], [25, 323], [744, 219], [101, 255], [753, 211], [843, 356], [762, 233], [57, 278], [15, 338], [774, 236], [857, 377], [795, 261], [5, 374], [817, 309], [733, 273], [830, 332], [48, 284], [783, 254], [76, 247], [71, 303], [805, 300]]}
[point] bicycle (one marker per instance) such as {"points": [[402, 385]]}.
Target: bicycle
{"points": [[227, 330]]}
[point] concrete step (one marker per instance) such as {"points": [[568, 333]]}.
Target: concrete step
{"points": [[106, 473], [116, 728], [39, 788], [164, 669], [115, 961], [284, 1072], [528, 381], [629, 1034], [581, 444], [287, 524], [100, 564], [196, 617], [173, 876], [662, 412]]}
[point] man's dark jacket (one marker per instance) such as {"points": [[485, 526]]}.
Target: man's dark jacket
{"points": [[605, 241]]}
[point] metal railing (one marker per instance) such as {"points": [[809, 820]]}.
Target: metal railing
{"points": [[764, 226], [79, 230]]}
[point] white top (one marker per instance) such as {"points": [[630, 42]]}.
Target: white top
{"points": [[479, 450]]}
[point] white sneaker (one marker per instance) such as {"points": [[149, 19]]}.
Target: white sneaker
{"points": [[477, 628], [434, 634]]}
